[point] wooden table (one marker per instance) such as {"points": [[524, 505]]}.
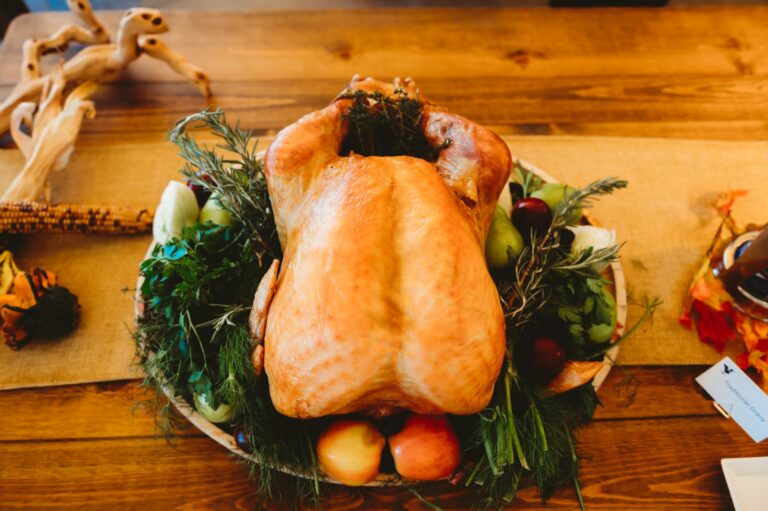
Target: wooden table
{"points": [[692, 73]]}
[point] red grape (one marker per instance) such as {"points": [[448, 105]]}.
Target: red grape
{"points": [[547, 358], [531, 214], [201, 193]]}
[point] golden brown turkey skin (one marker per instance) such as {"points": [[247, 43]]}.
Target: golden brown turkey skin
{"points": [[383, 301]]}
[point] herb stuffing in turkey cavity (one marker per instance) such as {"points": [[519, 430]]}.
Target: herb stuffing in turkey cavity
{"points": [[386, 126]]}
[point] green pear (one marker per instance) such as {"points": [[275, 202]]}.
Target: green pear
{"points": [[605, 311], [503, 243], [214, 212], [554, 194]]}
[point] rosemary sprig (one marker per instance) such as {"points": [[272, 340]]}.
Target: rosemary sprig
{"points": [[236, 176], [584, 198]]}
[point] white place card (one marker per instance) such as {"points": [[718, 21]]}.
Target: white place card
{"points": [[739, 396]]}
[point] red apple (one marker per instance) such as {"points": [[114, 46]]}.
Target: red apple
{"points": [[427, 448], [350, 451]]}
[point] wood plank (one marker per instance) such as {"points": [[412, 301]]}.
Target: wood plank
{"points": [[628, 465], [649, 72], [431, 43], [691, 105], [109, 410], [97, 410], [701, 130], [645, 392]]}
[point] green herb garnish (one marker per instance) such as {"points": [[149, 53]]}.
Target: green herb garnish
{"points": [[193, 336], [237, 176], [526, 435], [383, 126]]}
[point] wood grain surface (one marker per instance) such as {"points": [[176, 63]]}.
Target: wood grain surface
{"points": [[91, 447], [686, 73], [692, 73]]}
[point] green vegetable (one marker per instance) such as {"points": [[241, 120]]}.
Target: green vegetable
{"points": [[606, 306], [589, 305], [600, 333], [503, 243], [214, 212], [605, 312], [177, 210], [569, 314], [219, 415], [555, 194]]}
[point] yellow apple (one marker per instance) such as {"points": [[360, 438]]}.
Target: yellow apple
{"points": [[350, 451], [427, 448]]}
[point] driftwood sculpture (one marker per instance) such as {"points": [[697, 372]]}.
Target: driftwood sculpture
{"points": [[54, 130], [101, 60]]}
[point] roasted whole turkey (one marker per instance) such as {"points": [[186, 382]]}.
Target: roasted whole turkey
{"points": [[382, 301]]}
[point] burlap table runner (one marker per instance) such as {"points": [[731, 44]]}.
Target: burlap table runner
{"points": [[96, 268], [666, 218]]}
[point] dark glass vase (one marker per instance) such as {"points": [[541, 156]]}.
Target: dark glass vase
{"points": [[743, 270]]}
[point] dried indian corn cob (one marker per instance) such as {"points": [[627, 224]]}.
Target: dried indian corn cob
{"points": [[34, 217]]}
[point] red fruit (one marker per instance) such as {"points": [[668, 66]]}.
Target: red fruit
{"points": [[426, 449], [201, 193], [531, 214], [547, 358], [350, 450]]}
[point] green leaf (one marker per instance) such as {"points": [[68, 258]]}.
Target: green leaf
{"points": [[589, 304], [595, 285], [172, 251], [195, 376], [569, 314]]}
